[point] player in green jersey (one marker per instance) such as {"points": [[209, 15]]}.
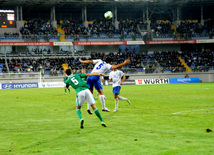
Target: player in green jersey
{"points": [[83, 94], [83, 71], [65, 77]]}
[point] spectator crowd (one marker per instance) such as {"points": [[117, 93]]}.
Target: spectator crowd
{"points": [[33, 30], [196, 60]]}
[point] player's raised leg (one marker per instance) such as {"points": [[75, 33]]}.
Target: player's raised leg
{"points": [[97, 112], [91, 101], [88, 109], [102, 100], [125, 99], [97, 95]]}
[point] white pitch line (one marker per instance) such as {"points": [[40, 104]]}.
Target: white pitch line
{"points": [[189, 112]]}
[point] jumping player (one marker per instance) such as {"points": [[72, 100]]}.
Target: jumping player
{"points": [[115, 77], [83, 94], [101, 67]]}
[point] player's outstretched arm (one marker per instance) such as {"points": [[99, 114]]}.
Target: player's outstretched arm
{"points": [[127, 61], [95, 74], [86, 61], [123, 79]]}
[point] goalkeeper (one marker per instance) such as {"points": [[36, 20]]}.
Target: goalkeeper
{"points": [[83, 94]]}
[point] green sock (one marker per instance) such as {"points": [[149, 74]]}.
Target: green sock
{"points": [[97, 112], [65, 90], [69, 90], [79, 114]]}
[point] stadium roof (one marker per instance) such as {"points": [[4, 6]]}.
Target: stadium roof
{"points": [[61, 3]]}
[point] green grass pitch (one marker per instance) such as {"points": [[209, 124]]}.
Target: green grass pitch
{"points": [[162, 119]]}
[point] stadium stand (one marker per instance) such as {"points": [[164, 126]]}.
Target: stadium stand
{"points": [[130, 27]]}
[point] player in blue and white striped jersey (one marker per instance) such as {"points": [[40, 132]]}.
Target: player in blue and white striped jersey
{"points": [[101, 67]]}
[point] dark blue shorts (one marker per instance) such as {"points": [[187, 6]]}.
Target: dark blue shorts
{"points": [[94, 81], [116, 90]]}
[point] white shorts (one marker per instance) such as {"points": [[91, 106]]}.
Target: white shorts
{"points": [[83, 96]]}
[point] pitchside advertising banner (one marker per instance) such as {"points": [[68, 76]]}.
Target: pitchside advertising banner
{"points": [[51, 84], [19, 85], [126, 82], [106, 83], [151, 81], [167, 81], [185, 80]]}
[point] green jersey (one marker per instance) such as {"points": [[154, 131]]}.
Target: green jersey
{"points": [[75, 81], [65, 78], [84, 79]]}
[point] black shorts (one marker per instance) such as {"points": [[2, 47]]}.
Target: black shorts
{"points": [[67, 86]]}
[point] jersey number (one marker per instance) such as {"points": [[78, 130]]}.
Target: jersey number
{"points": [[74, 81], [100, 65]]}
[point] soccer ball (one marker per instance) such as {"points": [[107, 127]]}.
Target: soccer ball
{"points": [[108, 15]]}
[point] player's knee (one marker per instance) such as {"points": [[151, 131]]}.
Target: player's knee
{"points": [[78, 107], [93, 106], [116, 96]]}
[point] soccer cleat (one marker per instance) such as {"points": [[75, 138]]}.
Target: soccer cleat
{"points": [[89, 112], [106, 109], [81, 123], [103, 124], [129, 101], [69, 92], [65, 93], [115, 110]]}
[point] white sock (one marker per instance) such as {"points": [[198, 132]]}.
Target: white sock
{"points": [[102, 100], [88, 106], [97, 95], [122, 98], [116, 103]]}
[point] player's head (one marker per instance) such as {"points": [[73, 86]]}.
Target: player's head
{"points": [[114, 68], [109, 60], [68, 71], [83, 70]]}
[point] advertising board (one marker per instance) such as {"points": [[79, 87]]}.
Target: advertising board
{"points": [[19, 85]]}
